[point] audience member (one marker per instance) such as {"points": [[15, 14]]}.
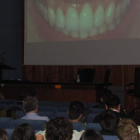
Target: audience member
{"points": [[109, 122], [75, 111], [23, 132], [105, 94], [3, 134], [30, 107], [127, 130], [91, 134], [59, 129], [112, 103]]}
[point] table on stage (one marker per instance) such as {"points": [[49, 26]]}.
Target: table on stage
{"points": [[53, 91]]}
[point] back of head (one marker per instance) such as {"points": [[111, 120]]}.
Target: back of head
{"points": [[23, 132], [59, 129], [105, 94], [109, 120], [3, 134], [30, 103], [127, 130], [75, 110], [91, 134], [113, 102]]}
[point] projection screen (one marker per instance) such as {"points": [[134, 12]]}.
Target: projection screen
{"points": [[82, 32]]}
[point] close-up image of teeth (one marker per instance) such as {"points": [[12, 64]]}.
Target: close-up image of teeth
{"points": [[67, 20]]}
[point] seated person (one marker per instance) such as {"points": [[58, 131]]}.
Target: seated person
{"points": [[30, 107], [91, 134], [112, 103], [105, 94], [3, 134], [59, 129], [75, 111], [127, 130], [109, 122], [23, 132]]}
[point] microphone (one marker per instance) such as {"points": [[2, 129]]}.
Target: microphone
{"points": [[51, 74], [2, 53]]}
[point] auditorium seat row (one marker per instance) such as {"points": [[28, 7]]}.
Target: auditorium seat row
{"points": [[52, 108], [55, 103]]}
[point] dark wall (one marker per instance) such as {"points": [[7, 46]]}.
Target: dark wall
{"points": [[10, 37]]}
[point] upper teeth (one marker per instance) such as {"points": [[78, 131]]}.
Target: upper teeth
{"points": [[85, 23]]}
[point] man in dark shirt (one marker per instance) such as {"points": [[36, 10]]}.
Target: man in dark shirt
{"points": [[112, 103]]}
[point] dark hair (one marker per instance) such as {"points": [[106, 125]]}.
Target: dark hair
{"points": [[91, 134], [25, 93], [113, 101], [127, 130], [24, 132], [59, 129], [75, 110], [30, 103], [109, 120], [3, 134], [105, 94]]}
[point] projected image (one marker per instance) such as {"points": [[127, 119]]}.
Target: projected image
{"points": [[69, 20]]}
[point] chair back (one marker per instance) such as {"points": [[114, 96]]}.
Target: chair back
{"points": [[91, 117], [109, 137], [5, 122], [78, 126], [62, 114], [97, 110], [95, 126], [36, 124]]}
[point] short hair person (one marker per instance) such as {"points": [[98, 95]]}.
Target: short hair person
{"points": [[23, 132], [127, 130], [109, 122], [30, 107], [59, 129], [112, 103], [75, 111]]}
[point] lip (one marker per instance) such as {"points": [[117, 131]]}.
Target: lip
{"points": [[46, 33]]}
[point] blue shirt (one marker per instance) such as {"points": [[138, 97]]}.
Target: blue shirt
{"points": [[35, 116]]}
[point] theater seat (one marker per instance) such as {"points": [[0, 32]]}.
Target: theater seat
{"points": [[36, 124], [5, 122], [62, 114], [109, 137], [91, 117], [78, 126], [95, 126]]}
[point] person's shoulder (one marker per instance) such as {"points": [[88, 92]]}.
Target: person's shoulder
{"points": [[77, 134], [43, 118]]}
